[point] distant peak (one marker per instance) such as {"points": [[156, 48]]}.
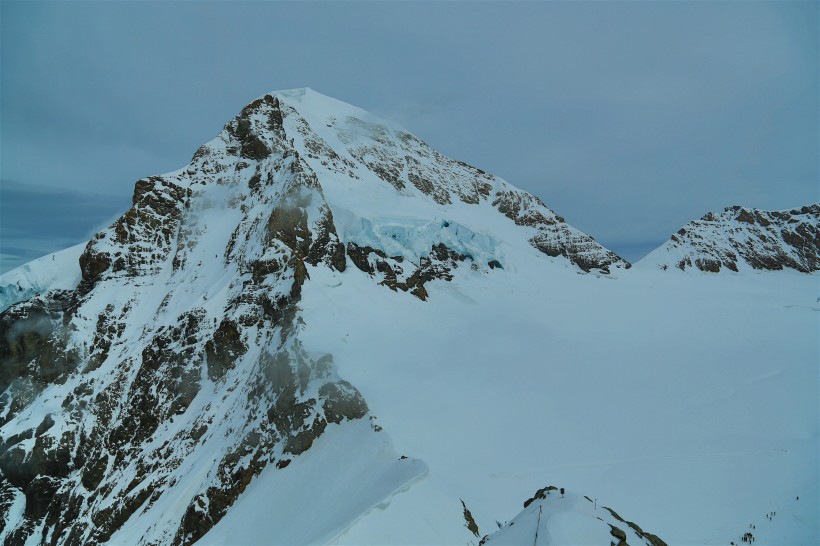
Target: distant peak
{"points": [[743, 238]]}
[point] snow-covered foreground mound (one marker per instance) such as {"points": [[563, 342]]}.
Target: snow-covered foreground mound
{"points": [[323, 331], [552, 518]]}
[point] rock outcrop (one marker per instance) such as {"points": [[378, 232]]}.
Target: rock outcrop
{"points": [[745, 239]]}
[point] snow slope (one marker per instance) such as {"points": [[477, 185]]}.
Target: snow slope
{"points": [[347, 473], [323, 331], [60, 270], [674, 398]]}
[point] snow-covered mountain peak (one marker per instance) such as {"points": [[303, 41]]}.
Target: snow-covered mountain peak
{"points": [[371, 168], [211, 369], [173, 370], [744, 239]]}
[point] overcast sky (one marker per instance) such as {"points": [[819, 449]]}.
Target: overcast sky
{"points": [[628, 118]]}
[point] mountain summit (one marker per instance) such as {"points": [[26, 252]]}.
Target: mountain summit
{"points": [[173, 373], [323, 331]]}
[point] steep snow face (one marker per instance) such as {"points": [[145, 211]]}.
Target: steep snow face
{"points": [[741, 239], [60, 271], [141, 398]]}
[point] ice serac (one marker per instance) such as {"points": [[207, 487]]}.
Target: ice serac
{"points": [[140, 398], [744, 239]]}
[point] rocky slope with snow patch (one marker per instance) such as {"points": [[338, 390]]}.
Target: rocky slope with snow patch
{"points": [[744, 239], [143, 397]]}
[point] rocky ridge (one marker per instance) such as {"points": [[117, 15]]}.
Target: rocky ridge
{"points": [[742, 238]]}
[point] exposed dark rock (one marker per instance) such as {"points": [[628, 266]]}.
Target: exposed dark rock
{"points": [[33, 343], [554, 237], [540, 494], [398, 275], [7, 495], [649, 537], [342, 401], [312, 241], [326, 246], [359, 256], [110, 423], [92, 265], [224, 349], [141, 239], [47, 423], [94, 471], [764, 240], [108, 520], [39, 493], [705, 264], [469, 521], [251, 146], [254, 148], [24, 330], [619, 534]]}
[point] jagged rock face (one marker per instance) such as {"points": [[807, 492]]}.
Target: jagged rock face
{"points": [[159, 365], [554, 237], [35, 348], [175, 368], [740, 238], [396, 274]]}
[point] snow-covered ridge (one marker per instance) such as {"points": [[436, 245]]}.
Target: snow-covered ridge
{"points": [[60, 270], [744, 239], [553, 517]]}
